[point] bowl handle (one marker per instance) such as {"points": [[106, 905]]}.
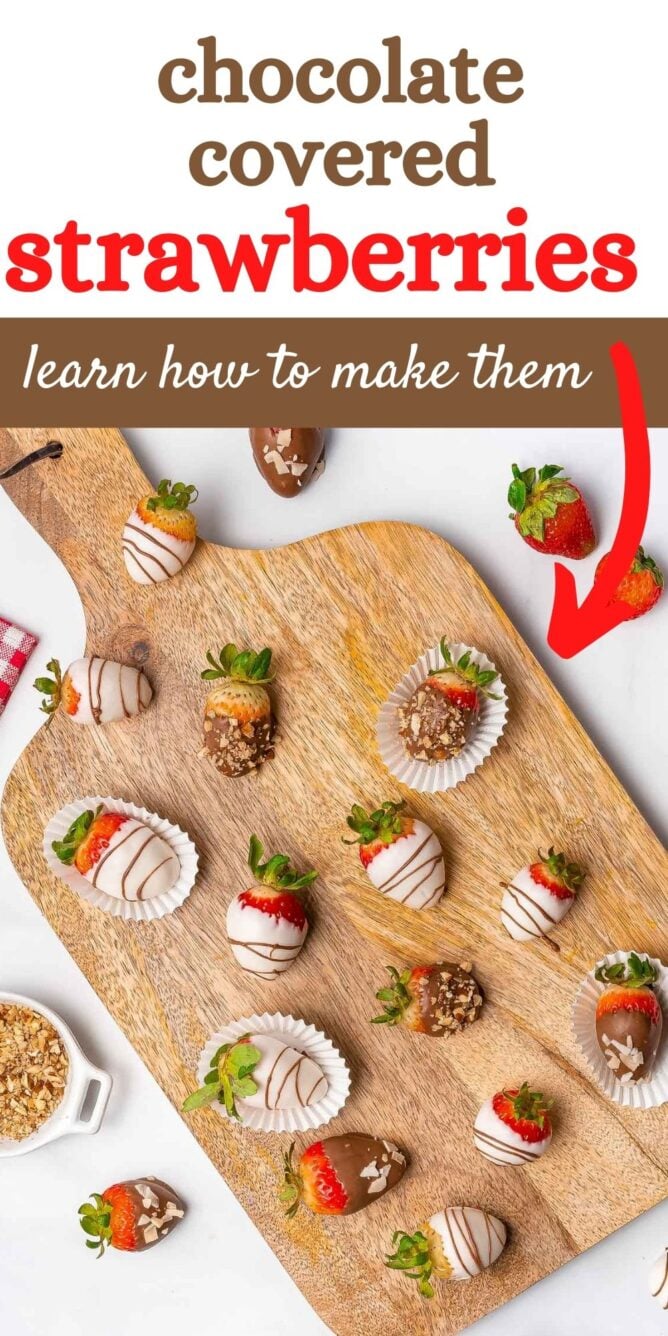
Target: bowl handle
{"points": [[91, 1076]]}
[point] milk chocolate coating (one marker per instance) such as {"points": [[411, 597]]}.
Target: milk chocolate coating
{"points": [[287, 457], [237, 750], [629, 1041], [157, 1210], [367, 1167], [432, 727], [449, 999]]}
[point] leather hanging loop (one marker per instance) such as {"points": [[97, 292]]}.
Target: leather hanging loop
{"points": [[52, 450]]}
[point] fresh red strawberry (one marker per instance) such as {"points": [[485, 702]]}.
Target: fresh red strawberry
{"points": [[130, 1216], [550, 512], [87, 838], [238, 719], [167, 510], [557, 875], [431, 999], [374, 831], [629, 1020], [640, 589], [341, 1175], [525, 1112]]}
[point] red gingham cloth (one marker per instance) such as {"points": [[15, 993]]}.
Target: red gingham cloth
{"points": [[16, 646]]}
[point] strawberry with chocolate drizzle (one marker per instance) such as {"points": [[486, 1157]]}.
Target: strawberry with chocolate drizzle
{"points": [[440, 716], [341, 1175], [239, 723], [629, 1019], [513, 1127], [160, 535], [539, 896], [267, 925], [455, 1244], [401, 855], [118, 855], [431, 999], [94, 691]]}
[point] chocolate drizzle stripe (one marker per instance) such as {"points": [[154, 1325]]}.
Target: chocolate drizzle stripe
{"points": [[314, 1087], [165, 548], [270, 1078], [391, 881], [254, 948], [436, 895], [89, 680], [141, 889], [429, 864], [97, 709], [286, 1078], [127, 542], [138, 563], [111, 850], [133, 861], [521, 1152], [430, 868], [126, 711], [454, 1221], [516, 891]]}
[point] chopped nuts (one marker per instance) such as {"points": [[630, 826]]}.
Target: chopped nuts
{"points": [[33, 1070]]}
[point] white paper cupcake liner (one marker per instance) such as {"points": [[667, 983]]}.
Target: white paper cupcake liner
{"points": [[141, 911], [633, 1094], [419, 775], [305, 1039]]}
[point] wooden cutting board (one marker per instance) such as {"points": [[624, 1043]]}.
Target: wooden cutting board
{"points": [[346, 613]]}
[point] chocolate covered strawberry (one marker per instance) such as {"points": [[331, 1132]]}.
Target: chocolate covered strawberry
{"points": [[640, 588], [118, 855], [431, 999], [539, 896], [94, 691], [341, 1175], [550, 512], [455, 1244], [629, 1019], [239, 723], [267, 924], [131, 1216], [160, 535], [288, 457], [439, 717], [513, 1127], [401, 855]]}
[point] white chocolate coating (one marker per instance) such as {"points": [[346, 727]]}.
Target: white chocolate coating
{"points": [[658, 1280], [412, 870], [108, 691], [500, 1143], [471, 1239], [263, 944], [529, 910], [136, 865], [151, 555], [285, 1078]]}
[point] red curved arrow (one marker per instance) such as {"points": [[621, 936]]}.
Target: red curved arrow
{"points": [[573, 628]]}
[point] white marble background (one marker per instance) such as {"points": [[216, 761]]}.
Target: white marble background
{"points": [[219, 1273]]}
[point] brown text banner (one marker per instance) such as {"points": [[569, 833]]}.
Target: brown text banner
{"points": [[343, 372]]}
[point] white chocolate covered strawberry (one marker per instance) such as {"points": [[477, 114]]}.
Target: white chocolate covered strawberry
{"points": [[160, 535], [513, 1127], [401, 855], [119, 855], [539, 896], [267, 924], [455, 1244], [95, 691], [259, 1072]]}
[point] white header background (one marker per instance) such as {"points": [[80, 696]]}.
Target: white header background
{"points": [[87, 135]]}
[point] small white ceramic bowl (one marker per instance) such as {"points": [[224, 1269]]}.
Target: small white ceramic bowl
{"points": [[67, 1118]]}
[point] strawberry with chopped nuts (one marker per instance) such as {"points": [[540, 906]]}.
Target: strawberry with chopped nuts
{"points": [[267, 924], [431, 999], [438, 719], [550, 513], [513, 1127], [239, 723], [131, 1216], [401, 855], [341, 1175], [640, 588], [629, 1020]]}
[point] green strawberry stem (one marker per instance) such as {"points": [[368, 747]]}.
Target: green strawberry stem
{"points": [[66, 848], [535, 497], [529, 1105], [277, 870], [571, 874], [239, 666], [95, 1220], [178, 496], [50, 688], [413, 1256], [291, 1192], [636, 972], [229, 1078], [644, 563], [395, 998], [384, 824], [467, 670]]}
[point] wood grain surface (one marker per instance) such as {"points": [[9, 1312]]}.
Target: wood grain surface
{"points": [[346, 613]]}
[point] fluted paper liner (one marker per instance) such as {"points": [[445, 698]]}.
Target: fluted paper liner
{"points": [[419, 775], [633, 1094], [141, 911], [305, 1039]]}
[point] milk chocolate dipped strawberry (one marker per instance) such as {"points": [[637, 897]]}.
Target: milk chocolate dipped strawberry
{"points": [[455, 1244], [259, 1072], [288, 457], [239, 723], [267, 925], [94, 691], [401, 855], [513, 1127], [539, 896], [131, 1216], [341, 1175], [160, 535], [440, 716], [629, 1019], [431, 999], [119, 855]]}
